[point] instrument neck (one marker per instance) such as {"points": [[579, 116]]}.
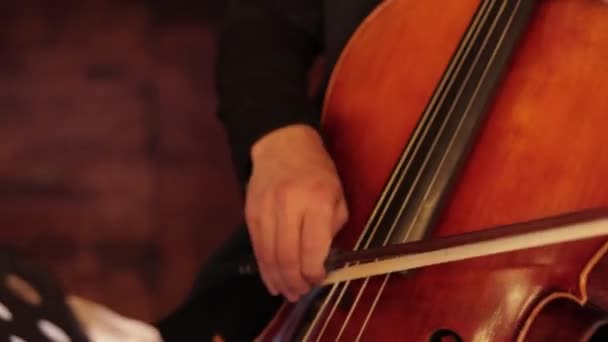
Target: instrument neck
{"points": [[429, 165]]}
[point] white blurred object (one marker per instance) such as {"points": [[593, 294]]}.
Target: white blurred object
{"points": [[103, 325]]}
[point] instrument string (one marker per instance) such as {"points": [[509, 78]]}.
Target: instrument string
{"points": [[470, 101], [406, 201], [486, 15], [383, 204], [394, 184], [450, 75]]}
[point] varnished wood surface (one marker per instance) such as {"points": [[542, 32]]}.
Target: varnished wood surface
{"points": [[542, 152], [113, 168]]}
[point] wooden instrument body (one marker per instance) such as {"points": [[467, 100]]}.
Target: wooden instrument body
{"points": [[542, 151]]}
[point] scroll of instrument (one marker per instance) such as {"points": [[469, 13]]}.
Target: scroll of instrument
{"points": [[447, 119]]}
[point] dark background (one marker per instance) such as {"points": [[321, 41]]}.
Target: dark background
{"points": [[114, 170]]}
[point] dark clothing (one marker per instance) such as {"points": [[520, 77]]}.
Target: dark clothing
{"points": [[235, 309], [266, 48]]}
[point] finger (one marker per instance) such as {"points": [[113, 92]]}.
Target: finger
{"points": [[262, 228], [317, 234], [289, 222], [340, 216], [263, 262], [268, 246]]}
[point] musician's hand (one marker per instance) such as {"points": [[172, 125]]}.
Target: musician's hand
{"points": [[294, 207]]}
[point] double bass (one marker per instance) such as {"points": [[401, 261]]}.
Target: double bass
{"points": [[452, 117]]}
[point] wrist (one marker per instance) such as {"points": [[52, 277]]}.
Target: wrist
{"points": [[287, 135]]}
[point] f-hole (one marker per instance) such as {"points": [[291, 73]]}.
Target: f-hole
{"points": [[601, 334], [445, 335]]}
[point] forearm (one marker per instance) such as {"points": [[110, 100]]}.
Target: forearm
{"points": [[264, 57]]}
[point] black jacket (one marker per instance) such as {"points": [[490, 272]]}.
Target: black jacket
{"points": [[266, 48]]}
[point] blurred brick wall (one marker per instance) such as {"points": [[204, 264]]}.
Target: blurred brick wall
{"points": [[114, 170]]}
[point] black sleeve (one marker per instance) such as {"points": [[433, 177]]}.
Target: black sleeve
{"points": [[265, 51]]}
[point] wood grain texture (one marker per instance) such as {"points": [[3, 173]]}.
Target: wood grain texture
{"points": [[114, 170]]}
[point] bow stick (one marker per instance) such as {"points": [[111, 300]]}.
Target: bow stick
{"points": [[351, 265]]}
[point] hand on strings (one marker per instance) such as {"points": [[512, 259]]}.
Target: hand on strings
{"points": [[294, 207]]}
